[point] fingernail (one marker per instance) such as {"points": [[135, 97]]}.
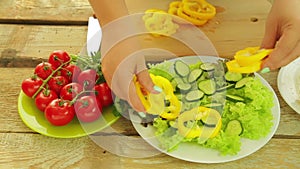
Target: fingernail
{"points": [[265, 70], [158, 89]]}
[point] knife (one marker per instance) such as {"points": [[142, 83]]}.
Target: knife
{"points": [[94, 36]]}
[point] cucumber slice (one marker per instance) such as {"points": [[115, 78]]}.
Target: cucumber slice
{"points": [[194, 75], [162, 73], [234, 127], [233, 77], [181, 68], [213, 105], [184, 87], [194, 95], [241, 83], [225, 87], [234, 98], [207, 66], [207, 86]]}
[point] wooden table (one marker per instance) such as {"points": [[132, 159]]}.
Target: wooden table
{"points": [[30, 30]]}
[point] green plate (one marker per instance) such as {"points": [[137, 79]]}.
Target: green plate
{"points": [[35, 120]]}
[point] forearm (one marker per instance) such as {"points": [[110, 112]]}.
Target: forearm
{"points": [[108, 10]]}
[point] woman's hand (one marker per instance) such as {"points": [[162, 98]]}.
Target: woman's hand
{"points": [[282, 33]]}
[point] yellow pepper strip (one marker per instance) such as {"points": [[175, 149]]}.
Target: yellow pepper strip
{"points": [[251, 55], [173, 10], [199, 9], [155, 103], [159, 22], [233, 66], [193, 20], [194, 130]]}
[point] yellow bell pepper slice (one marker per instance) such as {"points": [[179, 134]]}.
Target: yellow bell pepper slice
{"points": [[194, 130], [233, 66], [199, 9], [251, 55], [193, 20], [155, 103]]}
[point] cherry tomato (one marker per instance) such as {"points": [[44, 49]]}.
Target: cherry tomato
{"points": [[56, 83], [71, 72], [31, 85], [87, 109], [70, 91], [58, 57], [59, 112], [44, 98], [103, 94], [87, 78], [43, 70]]}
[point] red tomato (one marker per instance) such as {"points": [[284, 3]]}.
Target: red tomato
{"points": [[59, 112], [103, 94], [87, 109], [71, 72], [43, 70], [58, 57], [31, 85], [70, 91], [87, 78], [44, 98], [56, 83]]}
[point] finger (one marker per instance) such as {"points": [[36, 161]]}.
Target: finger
{"points": [[270, 36], [280, 55], [145, 80], [134, 99]]}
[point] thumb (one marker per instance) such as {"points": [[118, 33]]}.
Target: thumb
{"points": [[145, 80]]}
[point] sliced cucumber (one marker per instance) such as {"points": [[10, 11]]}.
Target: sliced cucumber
{"points": [[233, 77], [184, 87], [234, 98], [213, 105], [207, 86], [241, 83], [162, 73], [194, 75], [207, 66], [194, 95], [181, 68], [225, 87], [234, 127]]}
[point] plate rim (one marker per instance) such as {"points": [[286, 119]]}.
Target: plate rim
{"points": [[235, 157]]}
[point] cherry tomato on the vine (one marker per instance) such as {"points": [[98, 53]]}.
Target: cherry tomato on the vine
{"points": [[44, 98], [70, 91], [31, 85], [71, 72], [103, 94], [56, 83], [58, 57], [44, 70], [87, 78], [59, 112], [87, 109]]}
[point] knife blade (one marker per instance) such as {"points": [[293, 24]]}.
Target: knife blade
{"points": [[94, 36]]}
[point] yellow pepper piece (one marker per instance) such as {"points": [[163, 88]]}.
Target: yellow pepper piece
{"points": [[233, 66], [155, 103], [251, 55], [159, 22], [193, 20], [195, 130], [199, 9]]}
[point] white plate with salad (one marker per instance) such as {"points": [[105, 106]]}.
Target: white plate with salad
{"points": [[251, 109], [289, 84]]}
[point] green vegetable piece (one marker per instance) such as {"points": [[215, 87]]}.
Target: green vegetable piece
{"points": [[181, 68], [194, 95], [194, 75], [213, 105], [234, 98], [234, 127], [233, 77], [162, 73], [207, 86], [225, 87], [207, 66], [184, 87], [241, 83]]}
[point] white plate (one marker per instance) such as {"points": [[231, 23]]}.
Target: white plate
{"points": [[195, 153], [288, 82]]}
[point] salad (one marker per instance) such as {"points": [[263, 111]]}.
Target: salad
{"points": [[217, 108]]}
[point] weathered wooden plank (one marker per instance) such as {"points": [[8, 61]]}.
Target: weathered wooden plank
{"points": [[37, 151], [10, 82]]}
